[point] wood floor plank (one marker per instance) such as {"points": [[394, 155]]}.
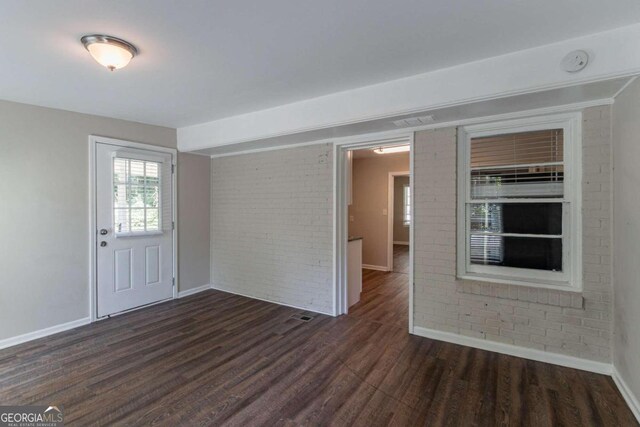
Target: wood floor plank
{"points": [[220, 359]]}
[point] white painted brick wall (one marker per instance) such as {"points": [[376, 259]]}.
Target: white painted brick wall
{"points": [[272, 225], [554, 321]]}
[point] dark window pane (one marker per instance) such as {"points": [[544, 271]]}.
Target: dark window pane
{"points": [[517, 218], [518, 252], [532, 218]]}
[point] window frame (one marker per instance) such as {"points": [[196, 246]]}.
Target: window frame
{"points": [[570, 279]]}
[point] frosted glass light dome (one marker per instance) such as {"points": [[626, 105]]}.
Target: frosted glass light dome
{"points": [[111, 52]]}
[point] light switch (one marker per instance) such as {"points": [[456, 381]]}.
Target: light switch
{"points": [[350, 218], [384, 212]]}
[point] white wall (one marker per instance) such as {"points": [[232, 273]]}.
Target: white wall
{"points": [[44, 211], [626, 272], [272, 225], [194, 190], [552, 321]]}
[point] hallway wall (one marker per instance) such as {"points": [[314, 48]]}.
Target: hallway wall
{"points": [[370, 202]]}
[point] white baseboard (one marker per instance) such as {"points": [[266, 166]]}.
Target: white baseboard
{"points": [[186, 293], [626, 392], [271, 301], [11, 341], [512, 350], [400, 243], [375, 267]]}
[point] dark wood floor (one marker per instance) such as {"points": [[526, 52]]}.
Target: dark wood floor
{"points": [[385, 296], [401, 259], [216, 358], [384, 299]]}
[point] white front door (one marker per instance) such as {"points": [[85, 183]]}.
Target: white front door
{"points": [[134, 228]]}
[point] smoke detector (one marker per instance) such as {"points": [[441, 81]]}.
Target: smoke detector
{"points": [[575, 61], [413, 121]]}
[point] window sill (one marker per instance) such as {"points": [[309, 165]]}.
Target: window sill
{"points": [[521, 291], [557, 286], [552, 285]]}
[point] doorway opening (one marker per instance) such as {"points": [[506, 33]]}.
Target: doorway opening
{"points": [[374, 273], [399, 195]]}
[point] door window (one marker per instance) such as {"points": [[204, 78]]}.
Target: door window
{"points": [[136, 196]]}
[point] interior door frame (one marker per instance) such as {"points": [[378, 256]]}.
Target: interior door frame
{"points": [[94, 140], [341, 211], [391, 214]]}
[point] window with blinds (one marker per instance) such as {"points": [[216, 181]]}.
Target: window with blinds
{"points": [[525, 164], [407, 206], [515, 208], [136, 196]]}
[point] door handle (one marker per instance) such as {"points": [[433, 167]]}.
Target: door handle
{"points": [[103, 232], [103, 244]]}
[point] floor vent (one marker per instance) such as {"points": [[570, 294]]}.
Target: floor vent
{"points": [[303, 317]]}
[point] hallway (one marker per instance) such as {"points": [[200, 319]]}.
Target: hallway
{"points": [[385, 295]]}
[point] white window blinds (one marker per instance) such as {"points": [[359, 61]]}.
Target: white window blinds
{"points": [[525, 164]]}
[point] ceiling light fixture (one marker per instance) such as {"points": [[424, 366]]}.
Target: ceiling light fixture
{"points": [[392, 149], [112, 52]]}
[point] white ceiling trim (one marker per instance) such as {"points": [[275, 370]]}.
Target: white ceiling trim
{"points": [[614, 53], [401, 136], [278, 147]]}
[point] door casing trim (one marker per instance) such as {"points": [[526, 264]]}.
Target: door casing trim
{"points": [[93, 263]]}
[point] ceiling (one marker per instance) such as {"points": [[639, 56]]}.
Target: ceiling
{"points": [[202, 60]]}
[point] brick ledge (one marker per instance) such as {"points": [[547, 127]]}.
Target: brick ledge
{"points": [[522, 293]]}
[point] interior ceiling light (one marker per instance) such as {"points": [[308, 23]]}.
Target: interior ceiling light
{"points": [[112, 52], [392, 149]]}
